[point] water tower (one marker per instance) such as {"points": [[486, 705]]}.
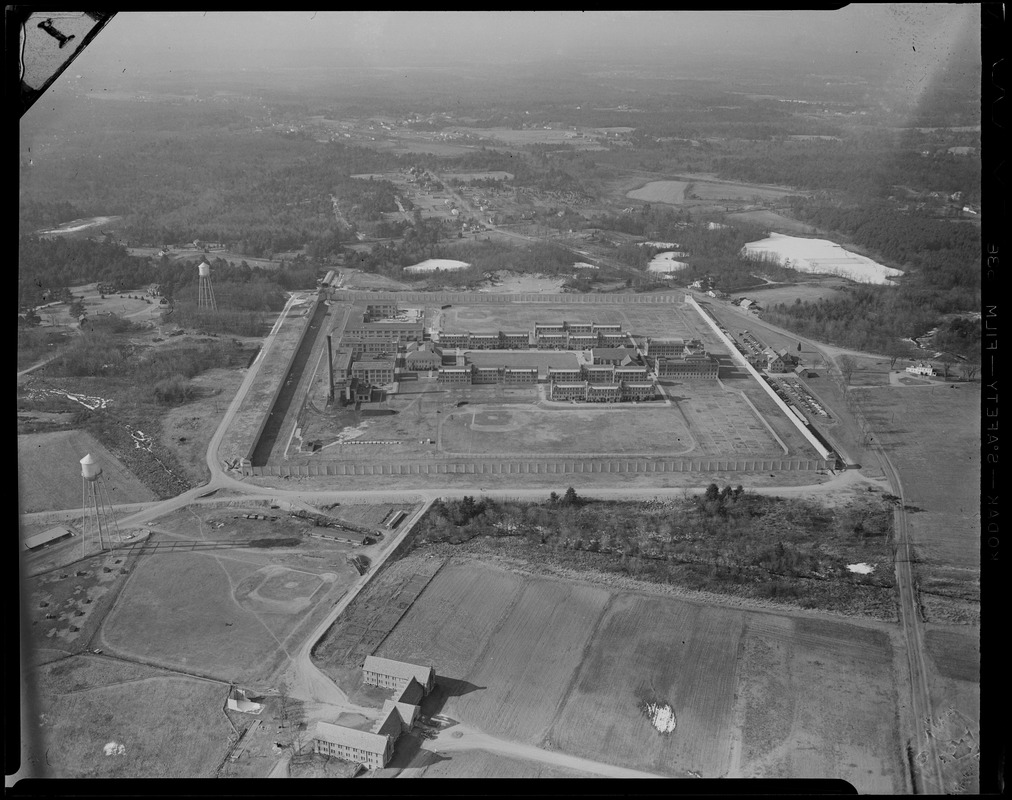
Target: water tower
{"points": [[99, 521], [205, 293]]}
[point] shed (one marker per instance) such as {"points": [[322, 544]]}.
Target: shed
{"points": [[40, 540]]}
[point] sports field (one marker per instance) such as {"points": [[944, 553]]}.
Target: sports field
{"points": [[50, 472], [488, 429], [226, 613], [663, 321], [566, 666]]}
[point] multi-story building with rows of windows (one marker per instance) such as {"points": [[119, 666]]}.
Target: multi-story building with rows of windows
{"points": [[688, 367], [374, 749], [587, 392]]}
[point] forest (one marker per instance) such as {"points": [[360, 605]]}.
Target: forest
{"points": [[723, 539]]}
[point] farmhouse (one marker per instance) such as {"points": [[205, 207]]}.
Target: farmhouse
{"points": [[779, 360], [922, 369], [387, 673]]}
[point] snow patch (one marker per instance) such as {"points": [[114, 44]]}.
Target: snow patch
{"points": [[114, 749], [823, 257], [661, 716], [861, 569], [665, 263]]}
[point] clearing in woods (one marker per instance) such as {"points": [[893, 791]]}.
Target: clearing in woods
{"points": [[567, 666]]}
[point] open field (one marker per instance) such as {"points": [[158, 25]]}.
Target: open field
{"points": [[523, 670], [747, 192], [488, 429], [187, 429], [774, 221], [671, 192], [67, 605], [659, 651], [168, 726], [229, 612], [932, 436], [675, 320], [50, 472], [564, 665], [813, 289]]}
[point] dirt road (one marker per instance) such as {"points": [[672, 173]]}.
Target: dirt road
{"points": [[461, 737]]}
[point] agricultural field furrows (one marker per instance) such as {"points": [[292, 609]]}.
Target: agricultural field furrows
{"points": [[526, 666], [101, 718], [955, 653], [812, 701], [462, 607], [50, 473], [654, 650]]}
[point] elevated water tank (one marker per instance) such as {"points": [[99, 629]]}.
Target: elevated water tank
{"points": [[90, 469], [204, 270]]}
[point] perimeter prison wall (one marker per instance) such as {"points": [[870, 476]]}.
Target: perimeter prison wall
{"points": [[472, 298], [542, 467]]}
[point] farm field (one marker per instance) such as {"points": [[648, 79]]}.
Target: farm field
{"points": [[482, 764], [91, 703], [50, 472], [565, 665], [774, 221], [523, 670], [671, 192], [813, 289], [932, 436], [747, 192]]}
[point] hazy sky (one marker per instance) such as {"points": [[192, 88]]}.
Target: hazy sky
{"points": [[144, 41]]}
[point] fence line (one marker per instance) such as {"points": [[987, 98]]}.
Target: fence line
{"points": [[472, 298], [539, 466]]}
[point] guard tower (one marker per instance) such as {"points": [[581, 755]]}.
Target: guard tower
{"points": [[99, 521], [205, 292]]}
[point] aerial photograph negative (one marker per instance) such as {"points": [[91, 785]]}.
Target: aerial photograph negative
{"points": [[501, 395]]}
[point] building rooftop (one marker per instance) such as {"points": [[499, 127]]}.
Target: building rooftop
{"points": [[397, 669], [363, 740]]}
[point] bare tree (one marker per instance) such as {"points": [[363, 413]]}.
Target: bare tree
{"points": [[847, 366], [895, 351], [969, 370], [947, 361]]}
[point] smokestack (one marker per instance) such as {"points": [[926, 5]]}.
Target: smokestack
{"points": [[330, 366]]}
